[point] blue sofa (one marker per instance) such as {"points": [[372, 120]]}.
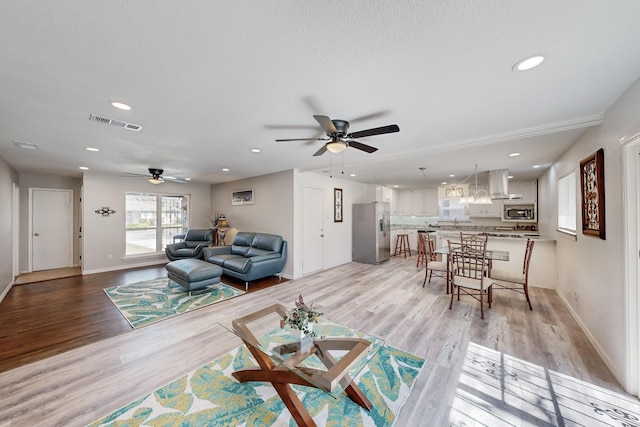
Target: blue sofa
{"points": [[251, 256]]}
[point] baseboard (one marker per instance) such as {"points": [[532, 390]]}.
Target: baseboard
{"points": [[125, 267], [6, 291], [591, 338]]}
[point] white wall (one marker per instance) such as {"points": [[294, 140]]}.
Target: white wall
{"points": [[591, 270], [104, 236], [277, 209], [271, 212], [337, 235], [8, 176]]}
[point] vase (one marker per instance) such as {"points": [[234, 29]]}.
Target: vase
{"points": [[306, 339]]}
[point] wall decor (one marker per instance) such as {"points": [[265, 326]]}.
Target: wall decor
{"points": [[337, 205], [592, 191], [242, 197], [104, 211]]}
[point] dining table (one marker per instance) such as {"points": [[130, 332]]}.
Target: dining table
{"points": [[491, 255]]}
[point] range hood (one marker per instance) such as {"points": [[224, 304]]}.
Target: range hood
{"points": [[499, 185]]}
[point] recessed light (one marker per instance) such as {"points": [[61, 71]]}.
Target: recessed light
{"points": [[353, 174], [510, 177], [121, 106], [528, 63], [225, 169], [84, 168], [396, 186], [255, 150], [92, 149], [451, 176], [444, 183], [514, 154], [536, 166]]}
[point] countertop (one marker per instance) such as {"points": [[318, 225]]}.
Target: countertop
{"points": [[494, 232]]}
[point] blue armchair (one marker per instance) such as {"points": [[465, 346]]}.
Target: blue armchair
{"points": [[192, 245]]}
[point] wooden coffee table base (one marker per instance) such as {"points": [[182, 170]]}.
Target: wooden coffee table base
{"points": [[281, 377]]}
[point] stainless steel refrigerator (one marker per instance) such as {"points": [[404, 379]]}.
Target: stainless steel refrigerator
{"points": [[371, 232]]}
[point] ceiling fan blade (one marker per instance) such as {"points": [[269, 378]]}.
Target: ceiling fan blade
{"points": [[174, 179], [326, 124], [374, 131], [302, 139], [361, 146], [299, 127], [321, 151], [371, 116]]}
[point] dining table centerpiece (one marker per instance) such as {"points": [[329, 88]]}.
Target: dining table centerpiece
{"points": [[301, 317]]}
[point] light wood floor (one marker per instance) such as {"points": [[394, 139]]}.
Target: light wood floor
{"points": [[83, 384]]}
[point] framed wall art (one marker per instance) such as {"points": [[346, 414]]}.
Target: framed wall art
{"points": [[337, 205], [242, 197], [592, 191]]}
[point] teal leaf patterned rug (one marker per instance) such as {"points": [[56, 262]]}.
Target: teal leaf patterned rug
{"points": [[150, 301], [210, 396]]}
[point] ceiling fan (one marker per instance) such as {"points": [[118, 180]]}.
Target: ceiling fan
{"points": [[338, 137], [156, 176]]}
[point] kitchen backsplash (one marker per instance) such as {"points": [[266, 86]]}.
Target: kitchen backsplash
{"points": [[413, 220]]}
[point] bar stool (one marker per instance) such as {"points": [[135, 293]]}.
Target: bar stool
{"points": [[402, 245], [426, 247]]}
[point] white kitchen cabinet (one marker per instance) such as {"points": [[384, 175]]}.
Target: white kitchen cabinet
{"points": [[528, 190], [413, 240], [403, 206], [384, 194], [422, 201], [494, 210], [417, 202], [431, 201]]}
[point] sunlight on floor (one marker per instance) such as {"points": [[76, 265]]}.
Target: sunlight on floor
{"points": [[496, 389]]}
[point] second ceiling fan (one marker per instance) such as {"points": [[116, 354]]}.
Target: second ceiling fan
{"points": [[338, 138]]}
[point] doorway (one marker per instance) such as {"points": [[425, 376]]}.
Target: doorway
{"points": [[50, 228], [312, 230], [631, 182]]}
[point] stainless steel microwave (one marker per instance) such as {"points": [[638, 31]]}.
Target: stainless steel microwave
{"points": [[519, 212]]}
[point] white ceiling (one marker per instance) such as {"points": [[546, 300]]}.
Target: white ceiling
{"points": [[209, 80]]}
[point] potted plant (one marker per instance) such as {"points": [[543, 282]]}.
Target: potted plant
{"points": [[301, 317]]}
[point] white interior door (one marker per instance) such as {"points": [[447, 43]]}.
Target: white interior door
{"points": [[51, 228], [312, 230], [16, 230]]}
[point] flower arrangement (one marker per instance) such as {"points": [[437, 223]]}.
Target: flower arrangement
{"points": [[301, 317]]}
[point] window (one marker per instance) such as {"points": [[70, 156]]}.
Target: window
{"points": [[145, 234], [567, 204], [452, 210]]}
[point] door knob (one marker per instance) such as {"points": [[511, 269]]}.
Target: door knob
{"points": [[36, 234]]}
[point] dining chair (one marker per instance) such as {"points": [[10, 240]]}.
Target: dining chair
{"points": [[423, 251], [517, 282], [468, 273], [431, 260], [476, 242]]}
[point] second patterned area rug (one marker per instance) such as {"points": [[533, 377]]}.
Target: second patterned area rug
{"points": [[210, 396], [147, 302]]}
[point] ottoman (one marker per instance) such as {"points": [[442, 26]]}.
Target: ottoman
{"points": [[193, 274]]}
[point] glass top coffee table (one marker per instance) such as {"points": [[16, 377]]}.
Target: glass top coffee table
{"points": [[329, 361]]}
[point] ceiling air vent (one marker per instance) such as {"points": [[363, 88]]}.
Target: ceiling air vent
{"points": [[114, 122]]}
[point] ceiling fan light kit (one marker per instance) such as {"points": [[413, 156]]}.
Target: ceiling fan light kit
{"points": [[336, 146]]}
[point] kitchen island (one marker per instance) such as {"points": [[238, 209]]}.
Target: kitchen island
{"points": [[543, 272]]}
